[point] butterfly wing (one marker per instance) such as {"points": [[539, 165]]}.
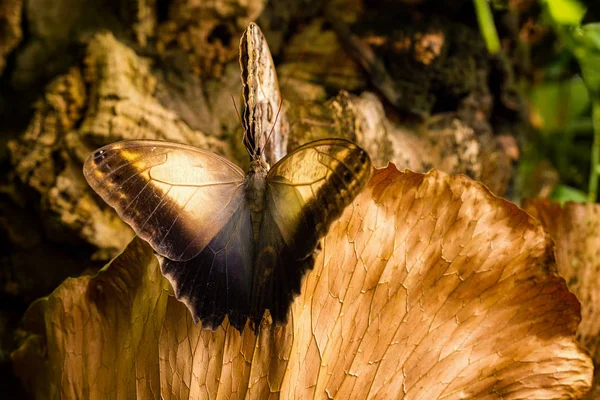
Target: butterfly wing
{"points": [[306, 191], [175, 197], [218, 280], [265, 123], [189, 205]]}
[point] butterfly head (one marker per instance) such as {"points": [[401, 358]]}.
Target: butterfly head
{"points": [[258, 166]]}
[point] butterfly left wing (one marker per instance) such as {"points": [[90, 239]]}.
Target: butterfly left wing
{"points": [[176, 197], [189, 204], [306, 191]]}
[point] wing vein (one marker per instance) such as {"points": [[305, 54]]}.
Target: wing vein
{"points": [[196, 185], [177, 217], [162, 199], [127, 164], [120, 186], [122, 212]]}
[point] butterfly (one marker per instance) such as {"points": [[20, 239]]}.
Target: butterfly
{"points": [[232, 243]]}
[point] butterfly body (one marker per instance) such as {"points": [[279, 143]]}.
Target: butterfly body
{"points": [[255, 186]]}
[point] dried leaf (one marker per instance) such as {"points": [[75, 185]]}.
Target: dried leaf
{"points": [[575, 228], [428, 287]]}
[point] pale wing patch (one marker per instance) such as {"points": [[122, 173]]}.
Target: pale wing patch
{"points": [[174, 196], [310, 188]]}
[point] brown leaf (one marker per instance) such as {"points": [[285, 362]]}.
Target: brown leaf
{"points": [[575, 228], [427, 287]]}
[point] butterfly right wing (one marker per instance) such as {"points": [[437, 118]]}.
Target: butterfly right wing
{"points": [[306, 191], [176, 197]]}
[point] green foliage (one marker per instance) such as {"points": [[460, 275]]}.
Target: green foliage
{"points": [[559, 104], [566, 12], [559, 109], [564, 193], [585, 44], [487, 26], [565, 106]]}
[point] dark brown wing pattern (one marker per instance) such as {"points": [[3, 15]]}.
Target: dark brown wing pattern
{"points": [[189, 204], [218, 281], [306, 191]]}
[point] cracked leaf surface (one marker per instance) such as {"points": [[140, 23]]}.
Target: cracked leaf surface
{"points": [[428, 286]]}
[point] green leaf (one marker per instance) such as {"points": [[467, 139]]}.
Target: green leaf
{"points": [[558, 105], [564, 193], [591, 33], [487, 25], [566, 12], [587, 51]]}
